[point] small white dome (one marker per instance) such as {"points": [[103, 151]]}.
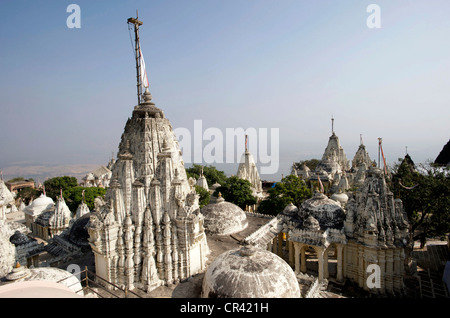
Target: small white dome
{"points": [[39, 205], [342, 198], [223, 218], [290, 209]]}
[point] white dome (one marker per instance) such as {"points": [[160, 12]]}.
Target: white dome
{"points": [[328, 212], [223, 218], [40, 205], [342, 198], [250, 272]]}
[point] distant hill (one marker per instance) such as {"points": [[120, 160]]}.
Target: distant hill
{"points": [[444, 156], [42, 172]]}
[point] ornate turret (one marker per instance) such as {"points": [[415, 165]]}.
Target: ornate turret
{"points": [[247, 170], [334, 158]]}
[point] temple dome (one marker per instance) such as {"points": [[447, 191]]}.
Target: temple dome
{"points": [[250, 272], [19, 238], [311, 223], [223, 218], [290, 209], [341, 197], [79, 234], [39, 205], [45, 274], [327, 212], [82, 210]]}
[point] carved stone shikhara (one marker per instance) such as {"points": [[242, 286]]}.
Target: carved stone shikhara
{"points": [[149, 231]]}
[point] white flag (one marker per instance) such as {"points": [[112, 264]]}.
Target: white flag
{"points": [[144, 78]]}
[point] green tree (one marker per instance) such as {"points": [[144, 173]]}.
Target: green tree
{"points": [[75, 196], [311, 164], [26, 194], [16, 179], [425, 196], [211, 174], [291, 189], [54, 186], [204, 194], [237, 191]]}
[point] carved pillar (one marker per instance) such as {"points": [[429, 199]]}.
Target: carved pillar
{"points": [[297, 248], [291, 253], [339, 274], [361, 267], [275, 245], [389, 271], [303, 258], [129, 263], [280, 245], [320, 257], [397, 280], [167, 235], [382, 263], [326, 274]]}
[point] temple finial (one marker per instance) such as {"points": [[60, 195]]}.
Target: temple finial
{"points": [[332, 125]]}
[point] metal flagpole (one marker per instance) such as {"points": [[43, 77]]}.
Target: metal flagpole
{"points": [[136, 24]]}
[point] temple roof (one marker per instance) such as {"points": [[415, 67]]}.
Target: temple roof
{"points": [[223, 217]]}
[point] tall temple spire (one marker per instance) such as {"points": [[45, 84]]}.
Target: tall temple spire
{"points": [[148, 232]]}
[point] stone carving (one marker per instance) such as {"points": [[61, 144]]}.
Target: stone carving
{"points": [[373, 229], [149, 231]]}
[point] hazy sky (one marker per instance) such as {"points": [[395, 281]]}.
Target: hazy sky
{"points": [[65, 94]]}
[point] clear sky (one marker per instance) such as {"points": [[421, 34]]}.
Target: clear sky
{"points": [[65, 94]]}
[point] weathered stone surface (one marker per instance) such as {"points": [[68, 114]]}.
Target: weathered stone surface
{"points": [[224, 218], [7, 250], [247, 170], [327, 212], [249, 272], [149, 231]]}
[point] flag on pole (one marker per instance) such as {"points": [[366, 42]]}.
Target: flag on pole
{"points": [[144, 78], [321, 185]]}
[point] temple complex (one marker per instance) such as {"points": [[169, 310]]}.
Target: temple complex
{"points": [[100, 177], [334, 171], [148, 234], [45, 218], [371, 229]]}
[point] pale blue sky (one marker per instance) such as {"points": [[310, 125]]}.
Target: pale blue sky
{"points": [[65, 94]]}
